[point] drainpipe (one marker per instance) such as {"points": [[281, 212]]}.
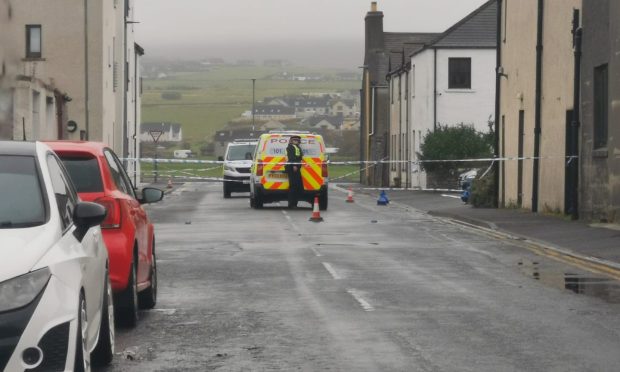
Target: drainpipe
{"points": [[372, 114], [368, 119], [498, 87], [435, 89], [574, 144], [136, 89], [125, 139], [537, 119], [86, 98], [407, 100]]}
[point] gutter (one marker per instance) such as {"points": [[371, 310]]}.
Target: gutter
{"points": [[498, 87], [537, 119], [125, 139], [86, 98], [574, 143], [435, 89]]}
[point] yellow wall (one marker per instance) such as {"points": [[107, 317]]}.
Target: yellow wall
{"points": [[518, 92]]}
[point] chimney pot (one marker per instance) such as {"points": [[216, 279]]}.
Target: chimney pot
{"points": [[373, 6]]}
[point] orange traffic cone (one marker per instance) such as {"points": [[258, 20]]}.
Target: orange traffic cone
{"points": [[350, 196], [316, 215], [169, 183]]}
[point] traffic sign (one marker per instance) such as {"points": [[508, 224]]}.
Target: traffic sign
{"points": [[156, 134]]}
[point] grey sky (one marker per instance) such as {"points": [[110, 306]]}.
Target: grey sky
{"points": [[291, 29]]}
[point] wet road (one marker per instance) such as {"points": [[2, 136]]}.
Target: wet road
{"points": [[370, 289]]}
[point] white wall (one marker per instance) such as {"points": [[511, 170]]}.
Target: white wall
{"points": [[470, 106], [475, 106], [421, 106]]}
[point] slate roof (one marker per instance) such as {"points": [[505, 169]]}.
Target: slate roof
{"points": [[336, 121], [477, 30], [274, 110], [395, 44]]}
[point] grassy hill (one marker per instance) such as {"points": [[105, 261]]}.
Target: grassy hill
{"points": [[209, 99]]}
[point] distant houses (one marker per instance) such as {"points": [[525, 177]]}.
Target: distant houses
{"points": [[163, 132]]}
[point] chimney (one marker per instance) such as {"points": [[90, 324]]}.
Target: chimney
{"points": [[374, 29]]}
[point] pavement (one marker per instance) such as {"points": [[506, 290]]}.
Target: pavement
{"points": [[595, 246]]}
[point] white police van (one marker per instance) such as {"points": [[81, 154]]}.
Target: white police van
{"points": [[237, 163]]}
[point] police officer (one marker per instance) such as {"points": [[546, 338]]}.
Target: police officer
{"points": [[294, 154]]}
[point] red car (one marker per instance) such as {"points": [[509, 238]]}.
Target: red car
{"points": [[100, 177]]}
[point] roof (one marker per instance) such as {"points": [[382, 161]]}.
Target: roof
{"points": [[398, 46], [274, 110], [336, 121], [232, 135], [139, 49], [146, 127], [304, 101], [17, 148], [77, 146], [477, 30]]}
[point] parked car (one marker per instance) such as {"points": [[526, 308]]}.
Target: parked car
{"points": [[237, 163], [56, 307], [99, 176]]}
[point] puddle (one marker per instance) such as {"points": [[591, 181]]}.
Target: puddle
{"points": [[583, 283]]}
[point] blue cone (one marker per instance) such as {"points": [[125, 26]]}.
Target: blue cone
{"points": [[383, 198]]}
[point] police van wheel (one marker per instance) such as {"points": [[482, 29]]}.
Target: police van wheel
{"points": [[226, 190], [258, 200]]}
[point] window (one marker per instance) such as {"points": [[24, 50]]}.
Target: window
{"points": [[600, 106], [115, 171], [459, 73], [33, 41], [84, 172], [22, 203], [120, 177], [66, 198]]}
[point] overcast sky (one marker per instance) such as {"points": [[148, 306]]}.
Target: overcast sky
{"points": [[303, 31]]}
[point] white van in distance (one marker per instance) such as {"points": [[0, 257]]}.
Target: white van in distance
{"points": [[182, 154]]}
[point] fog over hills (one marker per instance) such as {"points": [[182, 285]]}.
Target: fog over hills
{"points": [[346, 54]]}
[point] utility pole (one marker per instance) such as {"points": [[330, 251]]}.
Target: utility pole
{"points": [[253, 102]]}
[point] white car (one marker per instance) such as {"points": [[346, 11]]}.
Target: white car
{"points": [[56, 306], [237, 163]]}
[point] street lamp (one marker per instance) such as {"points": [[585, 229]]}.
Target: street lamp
{"points": [[253, 102]]}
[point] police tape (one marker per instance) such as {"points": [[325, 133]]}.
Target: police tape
{"points": [[359, 162]]}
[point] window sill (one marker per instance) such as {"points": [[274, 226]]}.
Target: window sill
{"points": [[459, 91], [32, 59], [601, 153]]}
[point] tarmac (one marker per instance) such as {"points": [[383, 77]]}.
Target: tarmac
{"points": [[593, 246]]}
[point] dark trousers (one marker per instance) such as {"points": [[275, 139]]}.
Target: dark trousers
{"points": [[295, 186]]}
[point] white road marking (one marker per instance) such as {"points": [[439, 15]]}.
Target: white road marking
{"points": [[316, 253], [290, 220], [331, 270], [358, 297], [165, 311], [451, 196]]}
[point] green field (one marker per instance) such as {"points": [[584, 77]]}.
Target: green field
{"points": [[209, 100], [182, 171]]}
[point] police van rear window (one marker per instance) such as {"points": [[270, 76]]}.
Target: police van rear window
{"points": [[276, 146]]}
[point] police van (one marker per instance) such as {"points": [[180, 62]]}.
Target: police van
{"points": [[237, 161], [268, 179]]}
